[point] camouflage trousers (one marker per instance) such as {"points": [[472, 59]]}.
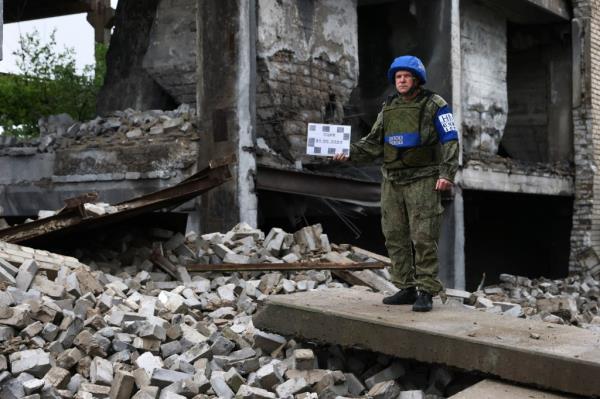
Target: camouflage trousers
{"points": [[410, 220]]}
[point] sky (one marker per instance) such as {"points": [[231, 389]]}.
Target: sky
{"points": [[72, 31]]}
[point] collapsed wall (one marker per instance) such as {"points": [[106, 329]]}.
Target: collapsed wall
{"points": [[307, 66], [122, 156]]}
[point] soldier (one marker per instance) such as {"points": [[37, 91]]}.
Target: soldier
{"points": [[416, 135]]}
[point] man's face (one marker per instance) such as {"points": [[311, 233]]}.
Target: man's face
{"points": [[404, 81]]}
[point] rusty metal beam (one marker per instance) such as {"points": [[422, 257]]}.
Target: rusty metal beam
{"points": [[319, 185], [234, 267], [71, 219]]}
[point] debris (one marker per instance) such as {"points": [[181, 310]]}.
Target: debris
{"points": [[159, 317]]}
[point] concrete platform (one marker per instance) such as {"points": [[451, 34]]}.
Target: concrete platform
{"points": [[563, 358], [491, 389]]}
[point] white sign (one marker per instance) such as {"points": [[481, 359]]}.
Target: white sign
{"points": [[327, 140]]}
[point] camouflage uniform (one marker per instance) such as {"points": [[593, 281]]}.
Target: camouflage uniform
{"points": [[419, 144]]}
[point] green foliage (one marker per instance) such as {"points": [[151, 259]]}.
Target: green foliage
{"points": [[48, 83]]}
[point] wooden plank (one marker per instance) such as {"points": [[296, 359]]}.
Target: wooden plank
{"points": [[370, 254], [242, 267]]}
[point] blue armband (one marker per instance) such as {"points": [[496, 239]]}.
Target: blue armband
{"points": [[445, 126]]}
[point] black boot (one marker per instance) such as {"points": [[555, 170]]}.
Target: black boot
{"points": [[423, 303], [406, 296]]}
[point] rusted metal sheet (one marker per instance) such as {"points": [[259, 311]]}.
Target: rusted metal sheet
{"points": [[73, 217], [231, 267], [357, 191]]}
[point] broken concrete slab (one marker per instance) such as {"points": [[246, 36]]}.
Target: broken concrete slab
{"points": [[447, 335], [494, 389]]}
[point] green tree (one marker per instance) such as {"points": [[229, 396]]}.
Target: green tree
{"points": [[48, 83]]}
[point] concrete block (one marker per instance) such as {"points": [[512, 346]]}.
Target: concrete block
{"points": [[147, 329], [75, 382], [32, 361], [292, 387], [142, 378], [148, 392], [6, 333], [170, 348], [268, 341], [162, 377], [355, 387], [149, 362], [17, 316], [221, 250], [239, 259], [171, 301], [249, 392], [57, 377], [26, 273], [268, 376], [146, 344], [394, 371], [274, 241], [97, 391], [50, 332], [484, 303], [32, 386], [123, 385], [304, 359], [219, 385], [268, 282], [384, 390], [196, 352], [5, 275], [233, 379], [8, 267], [170, 395], [101, 371], [222, 346], [32, 330], [72, 285]]}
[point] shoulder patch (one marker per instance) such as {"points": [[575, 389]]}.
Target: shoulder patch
{"points": [[438, 100]]}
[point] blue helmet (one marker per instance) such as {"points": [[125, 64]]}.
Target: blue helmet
{"points": [[408, 63]]}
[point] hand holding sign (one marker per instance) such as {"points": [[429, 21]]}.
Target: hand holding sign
{"points": [[328, 140]]}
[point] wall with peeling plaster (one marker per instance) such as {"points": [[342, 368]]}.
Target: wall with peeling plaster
{"points": [[484, 93], [307, 66]]}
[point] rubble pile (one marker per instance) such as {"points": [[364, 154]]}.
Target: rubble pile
{"points": [[135, 323], [572, 301], [119, 128]]}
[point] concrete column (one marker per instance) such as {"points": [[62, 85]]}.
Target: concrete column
{"points": [[226, 107], [99, 17], [456, 68], [459, 239]]}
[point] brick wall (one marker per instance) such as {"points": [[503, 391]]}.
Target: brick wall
{"points": [[299, 92], [585, 233], [307, 66]]}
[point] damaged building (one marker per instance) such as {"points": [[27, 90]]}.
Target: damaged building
{"points": [[246, 77]]}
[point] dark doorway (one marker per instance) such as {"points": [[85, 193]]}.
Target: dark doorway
{"points": [[520, 234]]}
